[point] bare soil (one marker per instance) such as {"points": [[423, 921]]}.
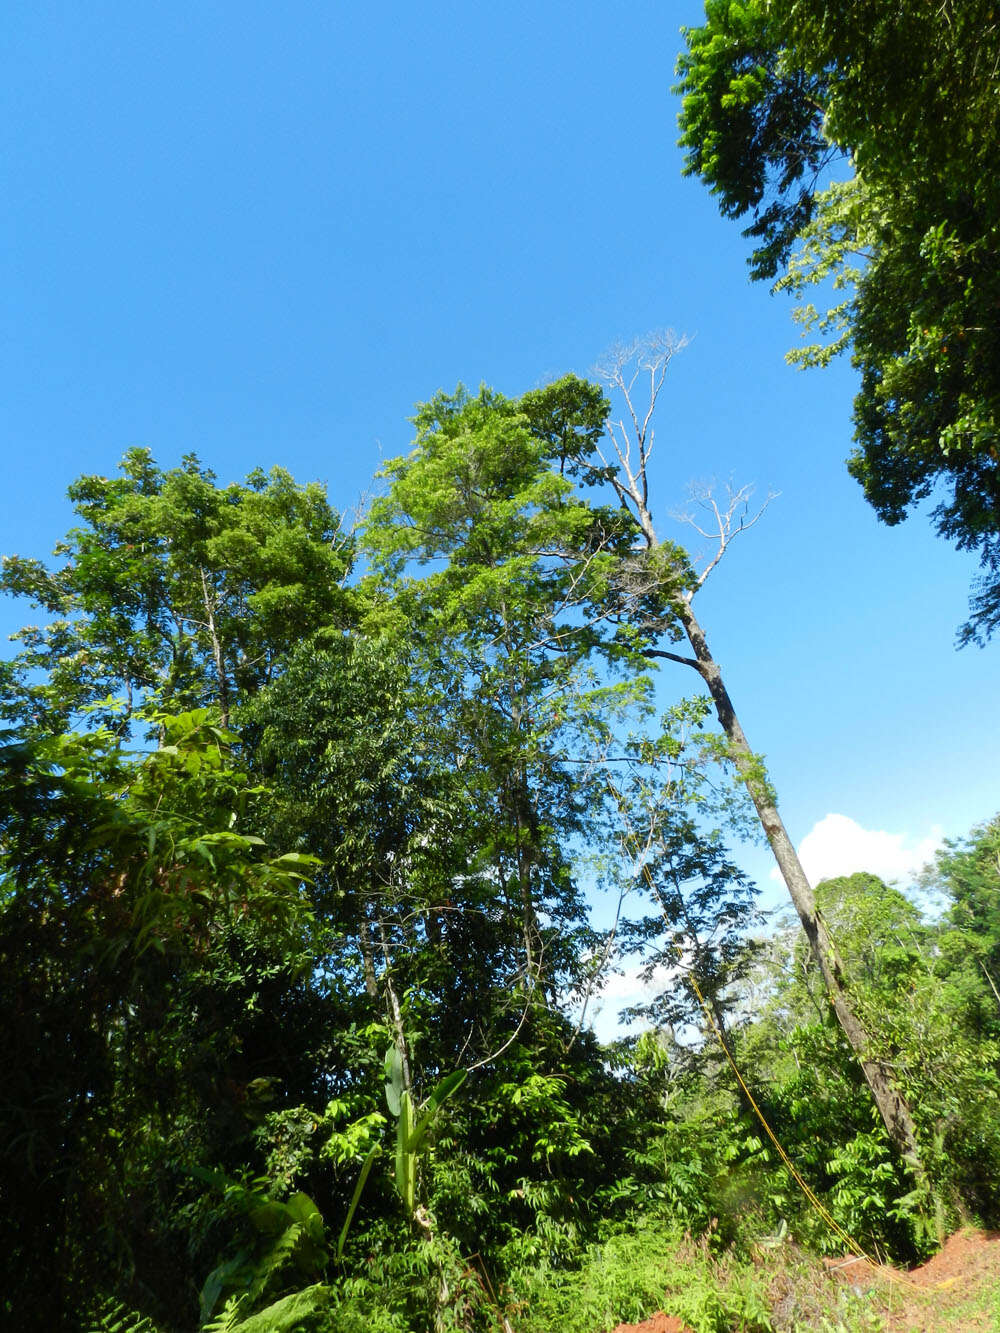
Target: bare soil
{"points": [[660, 1323], [956, 1291]]}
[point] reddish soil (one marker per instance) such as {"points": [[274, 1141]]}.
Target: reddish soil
{"points": [[967, 1254], [951, 1290], [660, 1323]]}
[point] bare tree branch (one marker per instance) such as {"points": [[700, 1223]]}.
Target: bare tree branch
{"points": [[725, 523]]}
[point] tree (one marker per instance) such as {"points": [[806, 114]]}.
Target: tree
{"points": [[906, 98], [700, 908], [175, 591], [921, 996], [437, 737], [149, 953], [653, 593], [967, 871], [512, 608], [358, 751]]}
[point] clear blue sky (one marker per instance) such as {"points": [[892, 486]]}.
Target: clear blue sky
{"points": [[262, 232]]}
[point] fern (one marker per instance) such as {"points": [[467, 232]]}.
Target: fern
{"points": [[288, 1234], [229, 1317], [283, 1316], [113, 1317]]}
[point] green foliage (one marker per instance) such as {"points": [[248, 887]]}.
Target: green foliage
{"points": [[300, 1312], [415, 1284], [635, 1273], [752, 124], [113, 1317], [920, 1000], [175, 590], [281, 1236], [133, 911], [907, 98], [196, 1028], [967, 872], [412, 1122], [509, 626]]}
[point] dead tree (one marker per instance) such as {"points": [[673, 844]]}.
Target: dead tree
{"points": [[660, 575]]}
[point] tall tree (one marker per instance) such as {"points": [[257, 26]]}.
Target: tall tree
{"points": [[906, 98], [175, 590], [365, 769], [654, 592], [519, 567]]}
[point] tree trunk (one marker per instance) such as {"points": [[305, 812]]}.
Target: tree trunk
{"points": [[890, 1101], [526, 848], [221, 678], [368, 958], [629, 480]]}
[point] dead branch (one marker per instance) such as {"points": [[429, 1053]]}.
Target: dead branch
{"points": [[725, 521]]}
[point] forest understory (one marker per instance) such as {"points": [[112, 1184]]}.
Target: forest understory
{"points": [[326, 834]]}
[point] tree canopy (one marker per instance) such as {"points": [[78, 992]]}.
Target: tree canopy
{"points": [[175, 589], [904, 100]]}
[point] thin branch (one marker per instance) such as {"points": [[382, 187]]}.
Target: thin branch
{"points": [[726, 523]]}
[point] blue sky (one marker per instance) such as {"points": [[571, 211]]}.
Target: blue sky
{"points": [[263, 232]]}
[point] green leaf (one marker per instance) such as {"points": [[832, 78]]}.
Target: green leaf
{"points": [[393, 1079], [304, 1211], [355, 1197]]}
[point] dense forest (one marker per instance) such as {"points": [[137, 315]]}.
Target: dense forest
{"points": [[300, 824], [305, 814]]}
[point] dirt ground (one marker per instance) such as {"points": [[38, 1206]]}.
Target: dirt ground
{"points": [[956, 1291], [660, 1323]]}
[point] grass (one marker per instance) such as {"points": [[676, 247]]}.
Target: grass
{"points": [[652, 1267]]}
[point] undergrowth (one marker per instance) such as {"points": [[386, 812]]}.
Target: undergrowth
{"points": [[635, 1273], [652, 1267]]}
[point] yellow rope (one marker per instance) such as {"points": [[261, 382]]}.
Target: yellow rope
{"points": [[816, 1203]]}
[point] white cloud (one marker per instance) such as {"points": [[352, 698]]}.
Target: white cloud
{"points": [[838, 845], [619, 991], [628, 987]]}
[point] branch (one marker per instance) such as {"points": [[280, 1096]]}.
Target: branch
{"points": [[494, 1055], [652, 354], [726, 524], [673, 657]]}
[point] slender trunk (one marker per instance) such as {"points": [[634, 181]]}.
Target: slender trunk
{"points": [[217, 657], [525, 861], [394, 1009], [526, 851], [890, 1101], [711, 998], [368, 959], [722, 1032]]}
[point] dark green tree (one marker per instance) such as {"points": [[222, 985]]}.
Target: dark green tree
{"points": [[152, 958], [921, 997], [364, 764], [906, 99], [967, 872]]}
